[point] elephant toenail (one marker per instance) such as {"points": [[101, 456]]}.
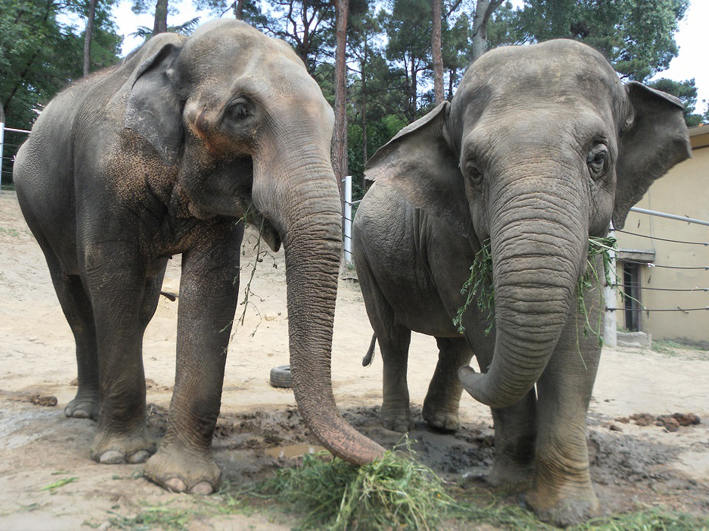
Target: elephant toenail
{"points": [[203, 487], [141, 456], [113, 457], [175, 485]]}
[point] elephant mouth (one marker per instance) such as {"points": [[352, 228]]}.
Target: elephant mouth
{"points": [[252, 217], [268, 233]]}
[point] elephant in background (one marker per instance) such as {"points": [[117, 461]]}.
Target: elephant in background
{"points": [[168, 153], [541, 147]]}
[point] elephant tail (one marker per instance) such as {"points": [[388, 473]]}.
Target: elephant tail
{"points": [[369, 356]]}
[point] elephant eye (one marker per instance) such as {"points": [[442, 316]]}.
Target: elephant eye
{"points": [[238, 110], [474, 171], [598, 160]]}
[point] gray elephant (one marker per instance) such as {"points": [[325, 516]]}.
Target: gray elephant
{"points": [[168, 153], [540, 148]]}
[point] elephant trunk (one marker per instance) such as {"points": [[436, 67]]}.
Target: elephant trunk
{"points": [[306, 213], [539, 238]]}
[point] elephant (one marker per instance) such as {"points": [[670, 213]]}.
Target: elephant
{"points": [[171, 152], [541, 147]]}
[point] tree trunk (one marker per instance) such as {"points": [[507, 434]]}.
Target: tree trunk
{"points": [[436, 51], [414, 90], [483, 11], [450, 84], [160, 25], [363, 65], [339, 141], [365, 154], [88, 35], [239, 9]]}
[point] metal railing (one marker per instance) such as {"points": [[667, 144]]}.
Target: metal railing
{"points": [[3, 144]]}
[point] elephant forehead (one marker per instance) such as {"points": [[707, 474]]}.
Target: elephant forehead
{"points": [[229, 49], [556, 71]]}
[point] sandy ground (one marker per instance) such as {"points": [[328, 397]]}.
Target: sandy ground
{"points": [[39, 446]]}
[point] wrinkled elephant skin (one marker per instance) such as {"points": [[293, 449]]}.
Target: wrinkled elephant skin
{"points": [[169, 153], [541, 147]]}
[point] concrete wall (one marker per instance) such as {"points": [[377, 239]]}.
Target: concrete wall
{"points": [[683, 191]]}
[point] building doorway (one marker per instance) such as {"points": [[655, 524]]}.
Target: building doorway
{"points": [[631, 299]]}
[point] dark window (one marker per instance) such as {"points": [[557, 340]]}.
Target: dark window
{"points": [[631, 288]]}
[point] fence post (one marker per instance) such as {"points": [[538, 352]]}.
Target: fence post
{"points": [[610, 301], [348, 219]]}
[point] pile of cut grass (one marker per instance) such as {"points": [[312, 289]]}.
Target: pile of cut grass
{"points": [[649, 519], [394, 491]]}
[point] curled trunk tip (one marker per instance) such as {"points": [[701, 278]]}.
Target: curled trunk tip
{"points": [[478, 386]]}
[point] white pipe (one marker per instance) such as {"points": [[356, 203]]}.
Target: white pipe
{"points": [[348, 218], [669, 216], [610, 320], [2, 139]]}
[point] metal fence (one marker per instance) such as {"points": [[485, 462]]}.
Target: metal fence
{"points": [[3, 153], [629, 286]]}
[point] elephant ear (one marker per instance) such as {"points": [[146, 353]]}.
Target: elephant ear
{"points": [[653, 139], [154, 108], [420, 163]]}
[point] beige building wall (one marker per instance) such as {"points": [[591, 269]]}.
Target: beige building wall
{"points": [[683, 191]]}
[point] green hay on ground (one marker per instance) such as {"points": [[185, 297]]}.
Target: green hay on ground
{"points": [[394, 491], [651, 519]]}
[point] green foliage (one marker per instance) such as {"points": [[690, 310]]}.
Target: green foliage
{"points": [[686, 91], [408, 28], [41, 51], [393, 491], [479, 287], [650, 519], [52, 487], [186, 28], [155, 517], [636, 36], [602, 248]]}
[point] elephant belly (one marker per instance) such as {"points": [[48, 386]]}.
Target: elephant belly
{"points": [[421, 310]]}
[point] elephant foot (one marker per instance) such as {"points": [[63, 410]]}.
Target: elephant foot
{"points": [[84, 406], [116, 449], [570, 506], [511, 475], [443, 419], [397, 420], [178, 470]]}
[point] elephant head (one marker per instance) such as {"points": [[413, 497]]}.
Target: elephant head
{"points": [[249, 132], [541, 147]]}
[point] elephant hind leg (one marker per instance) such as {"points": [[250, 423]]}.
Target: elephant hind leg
{"points": [[76, 306], [394, 344], [440, 408]]}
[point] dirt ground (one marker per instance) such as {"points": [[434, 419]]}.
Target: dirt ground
{"points": [[632, 463]]}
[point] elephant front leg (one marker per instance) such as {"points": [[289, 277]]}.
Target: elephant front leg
{"points": [[117, 291], [562, 491], [440, 408], [208, 294], [515, 434]]}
